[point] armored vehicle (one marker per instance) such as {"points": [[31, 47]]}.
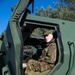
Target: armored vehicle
{"points": [[26, 29]]}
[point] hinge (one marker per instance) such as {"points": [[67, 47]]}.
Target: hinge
{"points": [[5, 70]]}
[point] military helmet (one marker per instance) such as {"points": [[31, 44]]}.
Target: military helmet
{"points": [[47, 31]]}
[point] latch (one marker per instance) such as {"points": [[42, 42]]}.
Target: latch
{"points": [[5, 70]]}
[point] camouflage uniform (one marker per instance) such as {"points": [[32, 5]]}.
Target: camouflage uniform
{"points": [[46, 61]]}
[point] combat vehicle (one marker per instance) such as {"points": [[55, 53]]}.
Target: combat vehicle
{"points": [[17, 35]]}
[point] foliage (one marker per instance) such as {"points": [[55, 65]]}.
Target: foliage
{"points": [[64, 9], [38, 32]]}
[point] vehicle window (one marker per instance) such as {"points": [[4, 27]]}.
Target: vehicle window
{"points": [[39, 57], [38, 32]]}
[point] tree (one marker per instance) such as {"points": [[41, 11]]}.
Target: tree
{"points": [[70, 4], [64, 9]]}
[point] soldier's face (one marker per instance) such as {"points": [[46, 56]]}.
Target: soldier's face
{"points": [[48, 37]]}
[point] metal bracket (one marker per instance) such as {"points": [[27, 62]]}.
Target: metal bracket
{"points": [[5, 70]]}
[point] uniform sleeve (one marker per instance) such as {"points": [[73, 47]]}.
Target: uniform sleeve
{"points": [[53, 53]]}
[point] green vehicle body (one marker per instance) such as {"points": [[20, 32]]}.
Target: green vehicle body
{"points": [[11, 41]]}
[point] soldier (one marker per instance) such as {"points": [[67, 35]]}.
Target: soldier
{"points": [[47, 59], [49, 53]]}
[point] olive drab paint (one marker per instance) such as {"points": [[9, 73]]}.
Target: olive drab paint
{"points": [[11, 42]]}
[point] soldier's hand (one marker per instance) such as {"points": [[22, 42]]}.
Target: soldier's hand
{"points": [[24, 65]]}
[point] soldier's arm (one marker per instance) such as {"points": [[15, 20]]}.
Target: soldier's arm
{"points": [[54, 54]]}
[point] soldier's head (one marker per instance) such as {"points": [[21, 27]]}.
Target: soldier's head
{"points": [[48, 35]]}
